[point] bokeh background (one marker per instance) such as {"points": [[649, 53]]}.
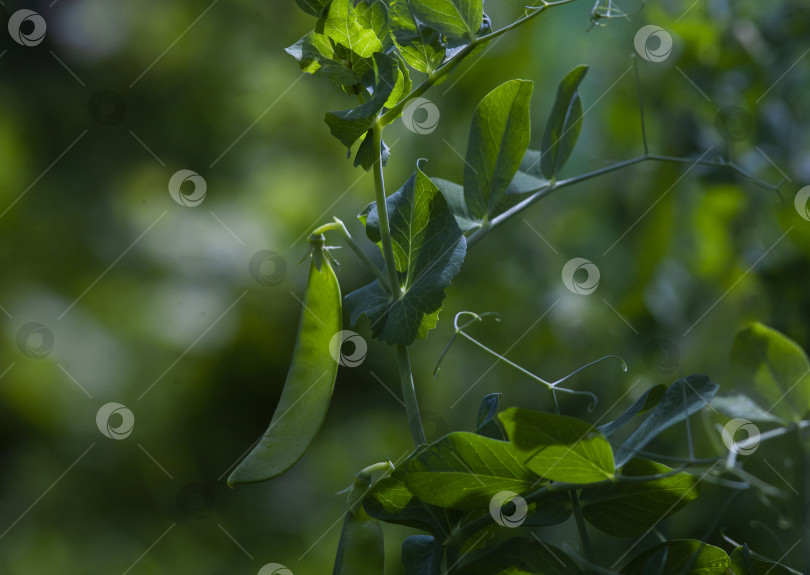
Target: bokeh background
{"points": [[144, 302]]}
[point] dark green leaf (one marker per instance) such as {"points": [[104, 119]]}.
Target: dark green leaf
{"points": [[422, 47], [390, 501], [314, 7], [774, 367], [647, 401], [453, 18], [422, 555], [684, 557], [428, 250], [361, 548], [738, 405], [630, 509], [682, 398], [564, 124], [486, 424], [366, 156], [499, 137], [520, 556], [551, 509], [742, 563], [454, 194], [464, 471], [559, 447]]}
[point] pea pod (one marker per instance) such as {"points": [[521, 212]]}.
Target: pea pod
{"points": [[310, 380]]}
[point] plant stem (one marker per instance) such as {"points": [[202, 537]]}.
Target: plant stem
{"points": [[339, 226], [409, 396], [583, 529]]}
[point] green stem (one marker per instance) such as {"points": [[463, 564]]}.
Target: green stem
{"points": [[339, 226], [581, 527], [409, 396]]}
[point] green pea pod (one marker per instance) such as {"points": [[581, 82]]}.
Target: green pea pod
{"points": [[310, 380]]}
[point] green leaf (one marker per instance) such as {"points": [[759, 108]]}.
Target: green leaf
{"points": [[528, 178], [499, 137], [520, 556], [559, 447], [684, 397], [738, 405], [453, 18], [564, 124], [373, 15], [486, 424], [390, 500], [422, 47], [313, 7], [428, 251], [742, 563], [366, 155], [684, 557], [361, 549], [551, 509], [775, 368], [454, 194], [349, 125], [631, 509], [422, 555], [464, 471], [316, 55], [341, 25], [403, 85], [645, 402]]}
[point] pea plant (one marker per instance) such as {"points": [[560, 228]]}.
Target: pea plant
{"points": [[475, 496]]}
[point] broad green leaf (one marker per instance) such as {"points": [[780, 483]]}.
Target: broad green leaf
{"points": [[349, 125], [559, 447], [341, 25], [422, 47], [366, 156], [464, 471], [645, 402], [684, 557], [361, 548], [742, 563], [499, 137], [313, 7], [403, 84], [486, 424], [316, 55], [564, 124], [454, 194], [631, 509], [390, 501], [774, 367], [454, 18], [738, 405], [521, 556], [373, 15], [422, 555], [428, 250], [684, 397], [528, 178]]}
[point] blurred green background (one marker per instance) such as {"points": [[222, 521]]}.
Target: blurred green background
{"points": [[144, 302]]}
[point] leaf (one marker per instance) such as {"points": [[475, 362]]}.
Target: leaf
{"points": [[551, 509], [453, 18], [428, 251], [361, 548], [631, 509], [704, 559], [520, 556], [774, 367], [316, 55], [422, 555], [390, 500], [528, 178], [742, 563], [454, 194], [402, 87], [422, 47], [645, 402], [313, 7], [349, 125], [366, 156], [564, 124], [373, 15], [464, 471], [684, 397], [486, 424], [341, 25], [559, 447], [499, 137], [738, 405]]}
